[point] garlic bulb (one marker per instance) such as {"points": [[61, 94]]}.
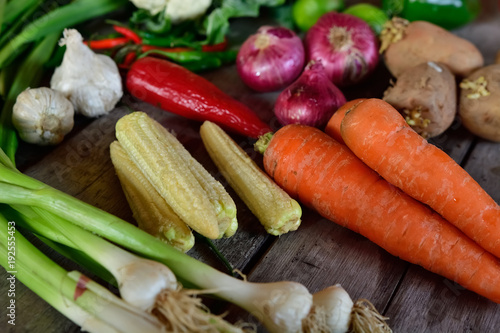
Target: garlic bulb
{"points": [[176, 11], [91, 81], [42, 116]]}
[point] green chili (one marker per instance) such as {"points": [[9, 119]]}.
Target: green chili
{"points": [[197, 61]]}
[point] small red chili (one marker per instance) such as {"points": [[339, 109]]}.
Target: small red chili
{"points": [[215, 47], [106, 43], [130, 34], [128, 60]]}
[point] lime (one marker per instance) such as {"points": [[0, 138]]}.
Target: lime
{"points": [[306, 12]]}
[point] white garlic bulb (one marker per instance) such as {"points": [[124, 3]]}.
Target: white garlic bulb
{"points": [[91, 81], [42, 116], [176, 11]]}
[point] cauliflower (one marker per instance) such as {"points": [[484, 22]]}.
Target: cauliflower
{"points": [[176, 10]]}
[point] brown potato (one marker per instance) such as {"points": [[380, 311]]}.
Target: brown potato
{"points": [[422, 41], [479, 107], [426, 96]]}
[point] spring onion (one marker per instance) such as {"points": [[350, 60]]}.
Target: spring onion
{"points": [[14, 9], [146, 284], [30, 74], [56, 20], [2, 11], [280, 306], [95, 309]]}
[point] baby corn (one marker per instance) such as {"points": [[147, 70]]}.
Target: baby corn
{"points": [[225, 207], [149, 146], [274, 208], [149, 209]]}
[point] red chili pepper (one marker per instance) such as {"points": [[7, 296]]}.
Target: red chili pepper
{"points": [[106, 43], [175, 89], [215, 47], [129, 59], [130, 34]]}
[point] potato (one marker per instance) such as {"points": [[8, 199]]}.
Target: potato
{"points": [[426, 96], [479, 105], [421, 42]]}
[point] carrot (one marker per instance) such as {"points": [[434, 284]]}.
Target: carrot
{"points": [[333, 126], [380, 137], [345, 190]]}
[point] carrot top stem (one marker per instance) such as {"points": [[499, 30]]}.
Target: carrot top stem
{"points": [[393, 31], [262, 143]]}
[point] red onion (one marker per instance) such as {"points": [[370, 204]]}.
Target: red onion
{"points": [[345, 45], [311, 100], [271, 59]]}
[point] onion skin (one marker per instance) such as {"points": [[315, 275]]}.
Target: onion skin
{"points": [[311, 100], [270, 59], [345, 45]]}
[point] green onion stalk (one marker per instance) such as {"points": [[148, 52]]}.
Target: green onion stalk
{"points": [[14, 10], [146, 284], [3, 4], [28, 74], [280, 306], [56, 20], [80, 299]]}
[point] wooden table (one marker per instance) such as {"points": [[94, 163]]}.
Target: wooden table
{"points": [[318, 255]]}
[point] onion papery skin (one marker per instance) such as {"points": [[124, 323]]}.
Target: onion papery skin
{"points": [[346, 46], [270, 59], [311, 100]]}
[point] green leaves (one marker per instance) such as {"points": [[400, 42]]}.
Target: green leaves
{"points": [[216, 24]]}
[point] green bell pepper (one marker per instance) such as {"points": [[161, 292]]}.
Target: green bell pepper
{"points": [[449, 14]]}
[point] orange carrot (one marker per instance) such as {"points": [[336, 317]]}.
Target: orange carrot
{"points": [[333, 126], [380, 137], [345, 190]]}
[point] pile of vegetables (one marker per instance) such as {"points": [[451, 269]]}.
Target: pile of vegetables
{"points": [[149, 294], [371, 151], [26, 48], [193, 34]]}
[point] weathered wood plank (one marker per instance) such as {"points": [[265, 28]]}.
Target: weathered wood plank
{"points": [[484, 166], [426, 302]]}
